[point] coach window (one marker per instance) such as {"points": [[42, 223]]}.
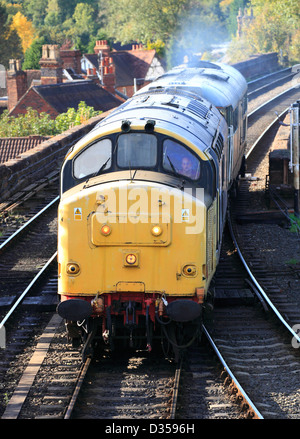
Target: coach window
{"points": [[93, 159], [179, 160], [137, 150]]}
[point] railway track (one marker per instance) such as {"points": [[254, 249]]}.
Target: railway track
{"points": [[23, 255], [254, 343], [266, 115], [61, 367], [17, 213], [129, 392], [258, 349], [268, 82], [28, 280], [140, 386], [257, 339]]}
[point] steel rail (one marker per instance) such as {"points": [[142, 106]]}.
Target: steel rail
{"points": [[21, 298], [16, 233], [260, 89], [272, 99], [175, 391], [258, 286], [254, 280], [256, 413], [248, 153], [269, 75], [272, 123], [78, 386]]}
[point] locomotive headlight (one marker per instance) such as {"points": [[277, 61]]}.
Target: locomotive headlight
{"points": [[189, 270], [105, 230], [156, 230], [73, 268], [131, 258]]}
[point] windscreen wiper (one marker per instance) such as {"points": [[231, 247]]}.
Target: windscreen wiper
{"points": [[97, 172], [103, 166], [175, 172], [172, 166]]}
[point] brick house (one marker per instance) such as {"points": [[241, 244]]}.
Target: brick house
{"points": [[54, 94], [123, 71]]}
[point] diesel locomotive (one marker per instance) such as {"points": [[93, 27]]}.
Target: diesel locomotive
{"points": [[143, 207]]}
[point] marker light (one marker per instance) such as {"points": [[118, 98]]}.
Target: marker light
{"points": [[189, 270], [131, 259], [156, 230], [105, 230], [73, 268]]}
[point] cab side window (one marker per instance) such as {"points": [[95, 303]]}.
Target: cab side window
{"points": [[177, 159]]}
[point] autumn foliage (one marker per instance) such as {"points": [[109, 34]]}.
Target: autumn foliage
{"points": [[274, 28], [24, 29]]}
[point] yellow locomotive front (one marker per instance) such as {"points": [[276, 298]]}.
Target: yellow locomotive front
{"points": [[135, 259]]}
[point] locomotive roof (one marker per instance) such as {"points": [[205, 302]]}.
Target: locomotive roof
{"points": [[220, 84], [178, 113]]}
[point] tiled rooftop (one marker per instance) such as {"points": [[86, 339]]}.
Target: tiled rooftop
{"points": [[12, 147], [69, 94]]}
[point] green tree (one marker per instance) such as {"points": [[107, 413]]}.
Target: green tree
{"points": [[26, 125], [184, 26], [82, 26], [143, 20], [54, 14], [84, 18], [230, 9], [10, 42], [41, 124], [74, 117], [33, 54], [159, 47], [36, 11]]}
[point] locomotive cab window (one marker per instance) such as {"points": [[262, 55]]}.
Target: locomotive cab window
{"points": [[177, 159], [137, 150], [93, 159]]}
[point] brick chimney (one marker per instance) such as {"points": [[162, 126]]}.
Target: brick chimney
{"points": [[71, 59], [108, 74], [51, 65], [16, 83], [137, 47], [102, 46], [91, 74]]}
